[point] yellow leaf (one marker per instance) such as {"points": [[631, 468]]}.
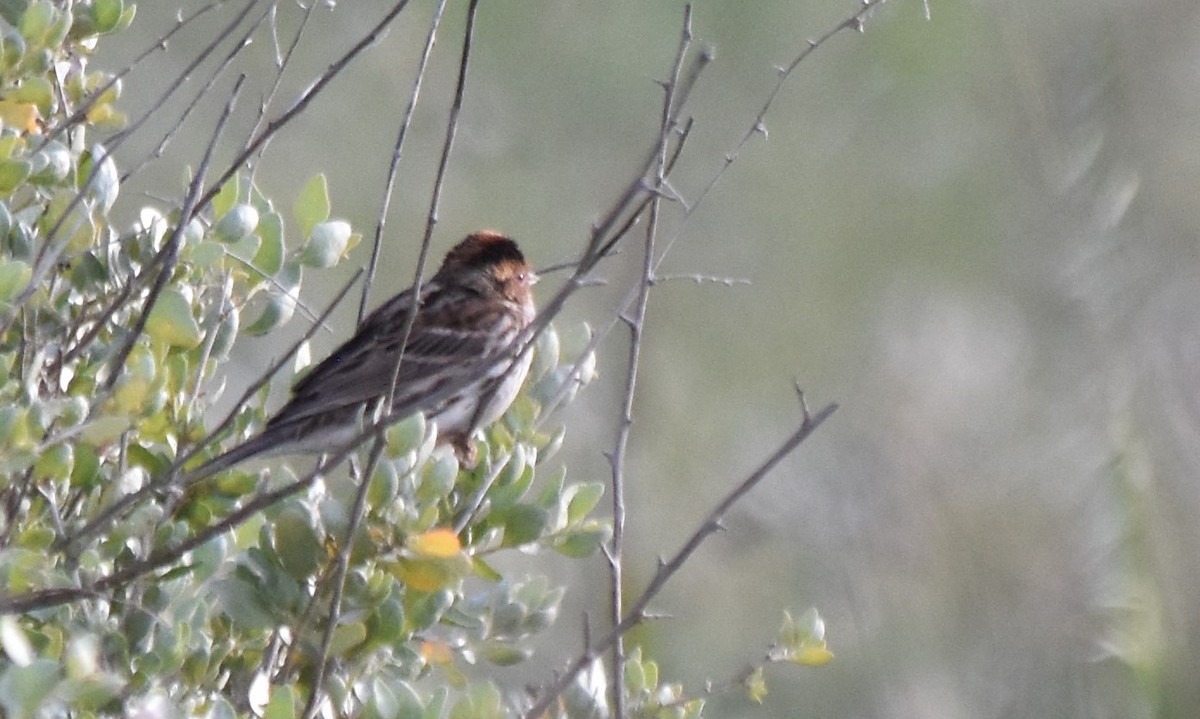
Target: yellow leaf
{"points": [[423, 575], [436, 652], [107, 116], [435, 544], [21, 115], [756, 686], [813, 654]]}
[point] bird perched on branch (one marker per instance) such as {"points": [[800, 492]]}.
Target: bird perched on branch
{"points": [[473, 309]]}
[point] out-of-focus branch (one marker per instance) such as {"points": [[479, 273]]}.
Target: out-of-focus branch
{"points": [[281, 64], [169, 254], [336, 68], [160, 44], [241, 44]]}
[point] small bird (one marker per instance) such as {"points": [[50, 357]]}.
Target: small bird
{"points": [[474, 308]]}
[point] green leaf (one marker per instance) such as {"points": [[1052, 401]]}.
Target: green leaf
{"points": [[552, 492], [327, 244], [227, 197], [171, 320], [206, 254], [384, 703], [35, 91], [237, 224], [438, 479], [282, 704], [424, 609], [108, 14], [11, 10], [584, 499], [509, 493], [77, 223], [505, 654], [410, 704], [90, 693], [55, 463], [13, 640], [405, 436], [546, 354], [387, 622], [243, 605], [524, 523], [280, 306], [269, 258], [107, 182], [60, 28], [86, 469], [13, 173], [24, 688], [296, 541], [36, 22], [484, 570], [756, 686], [227, 332], [87, 274], [635, 676], [346, 637], [126, 18], [312, 205], [14, 276], [583, 542], [12, 45], [482, 701]]}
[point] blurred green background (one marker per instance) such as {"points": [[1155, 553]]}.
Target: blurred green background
{"points": [[977, 233]]}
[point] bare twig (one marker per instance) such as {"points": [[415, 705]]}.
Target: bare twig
{"points": [[702, 279], [369, 39], [668, 568], [636, 322], [281, 63], [179, 81], [853, 22], [757, 125], [90, 102], [394, 167]]}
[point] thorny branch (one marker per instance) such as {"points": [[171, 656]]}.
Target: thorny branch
{"points": [[668, 568], [672, 100], [636, 300]]}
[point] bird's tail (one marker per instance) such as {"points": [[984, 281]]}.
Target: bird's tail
{"points": [[253, 447]]}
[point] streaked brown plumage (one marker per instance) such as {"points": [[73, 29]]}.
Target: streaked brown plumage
{"points": [[472, 309]]}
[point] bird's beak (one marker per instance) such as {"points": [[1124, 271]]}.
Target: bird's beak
{"points": [[532, 277]]}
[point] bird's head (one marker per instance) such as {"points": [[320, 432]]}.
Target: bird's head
{"points": [[489, 254]]}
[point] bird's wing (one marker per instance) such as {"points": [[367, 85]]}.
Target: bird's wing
{"points": [[450, 333]]}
